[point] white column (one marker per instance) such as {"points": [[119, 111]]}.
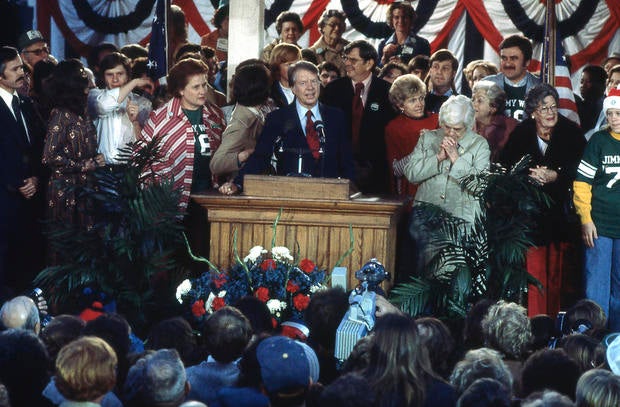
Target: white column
{"points": [[245, 33]]}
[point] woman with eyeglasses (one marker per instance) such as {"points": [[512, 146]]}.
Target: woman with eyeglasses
{"points": [[330, 46], [555, 145]]}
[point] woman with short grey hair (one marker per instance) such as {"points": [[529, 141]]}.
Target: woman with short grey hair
{"points": [[489, 101], [555, 145], [444, 157]]}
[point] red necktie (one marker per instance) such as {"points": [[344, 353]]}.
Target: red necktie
{"points": [[312, 137], [356, 115]]}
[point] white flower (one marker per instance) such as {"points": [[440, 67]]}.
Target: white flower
{"points": [[317, 287], [281, 253], [183, 289], [275, 306], [255, 253], [209, 303]]}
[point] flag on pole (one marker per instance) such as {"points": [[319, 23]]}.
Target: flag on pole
{"points": [[554, 68], [158, 61]]}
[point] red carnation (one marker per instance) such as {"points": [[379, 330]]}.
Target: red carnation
{"points": [[262, 293], [301, 301], [307, 266], [292, 287], [218, 303], [268, 264], [198, 308], [219, 280]]}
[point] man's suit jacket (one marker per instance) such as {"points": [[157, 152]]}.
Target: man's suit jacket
{"points": [[18, 159], [283, 129], [371, 163], [21, 243]]}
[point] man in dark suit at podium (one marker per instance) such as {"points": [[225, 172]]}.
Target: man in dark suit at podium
{"points": [[306, 138], [364, 99], [20, 189]]}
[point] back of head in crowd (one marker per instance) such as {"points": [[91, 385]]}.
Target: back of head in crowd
{"points": [[20, 312], [588, 352], [485, 392], [550, 369], [175, 333], [61, 330], [437, 338], [349, 390], [157, 379], [586, 317], [507, 329], [284, 370], [23, 366], [227, 332], [478, 364], [547, 398], [85, 369], [399, 368], [598, 388], [257, 313]]}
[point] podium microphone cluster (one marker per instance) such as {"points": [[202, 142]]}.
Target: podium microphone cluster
{"points": [[320, 130]]}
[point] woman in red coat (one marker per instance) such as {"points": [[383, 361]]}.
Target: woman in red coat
{"points": [[402, 133]]}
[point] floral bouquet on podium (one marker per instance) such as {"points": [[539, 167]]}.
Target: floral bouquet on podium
{"points": [[273, 276]]}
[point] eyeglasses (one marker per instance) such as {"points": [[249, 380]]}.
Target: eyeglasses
{"points": [[332, 25], [547, 109], [352, 60], [38, 51]]}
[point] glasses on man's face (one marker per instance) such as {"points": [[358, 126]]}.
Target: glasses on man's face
{"points": [[547, 109], [38, 51], [353, 61]]}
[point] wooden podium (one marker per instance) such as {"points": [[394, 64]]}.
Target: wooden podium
{"points": [[316, 214]]}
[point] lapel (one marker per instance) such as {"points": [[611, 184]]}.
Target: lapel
{"points": [[9, 124]]}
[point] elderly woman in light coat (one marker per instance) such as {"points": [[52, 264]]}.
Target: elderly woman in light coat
{"points": [[444, 157]]}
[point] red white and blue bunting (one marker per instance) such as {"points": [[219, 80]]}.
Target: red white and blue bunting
{"points": [[586, 27]]}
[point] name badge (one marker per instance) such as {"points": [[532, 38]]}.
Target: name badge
{"points": [[222, 44], [407, 50]]}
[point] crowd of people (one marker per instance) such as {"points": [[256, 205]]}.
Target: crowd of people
{"points": [[389, 119]]}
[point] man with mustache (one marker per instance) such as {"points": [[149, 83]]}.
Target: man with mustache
{"points": [[21, 143], [515, 53]]}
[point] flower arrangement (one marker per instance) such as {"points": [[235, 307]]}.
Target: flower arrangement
{"points": [[274, 277]]}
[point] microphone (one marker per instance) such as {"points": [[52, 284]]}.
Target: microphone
{"points": [[319, 126]]}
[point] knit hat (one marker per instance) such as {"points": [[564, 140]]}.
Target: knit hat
{"points": [[612, 101], [28, 38], [283, 364]]}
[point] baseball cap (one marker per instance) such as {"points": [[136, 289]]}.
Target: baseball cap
{"points": [[28, 38], [283, 364]]}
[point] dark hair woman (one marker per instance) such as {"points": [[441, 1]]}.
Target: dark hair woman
{"points": [[70, 145], [251, 91], [399, 369]]}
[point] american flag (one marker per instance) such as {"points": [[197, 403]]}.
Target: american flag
{"points": [[158, 63], [554, 68]]}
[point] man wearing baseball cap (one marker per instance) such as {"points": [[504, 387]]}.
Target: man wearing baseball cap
{"points": [[33, 47]]}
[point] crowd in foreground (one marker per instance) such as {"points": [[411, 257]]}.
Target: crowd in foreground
{"points": [[496, 357]]}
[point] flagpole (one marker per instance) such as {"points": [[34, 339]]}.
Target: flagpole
{"points": [[549, 44]]}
